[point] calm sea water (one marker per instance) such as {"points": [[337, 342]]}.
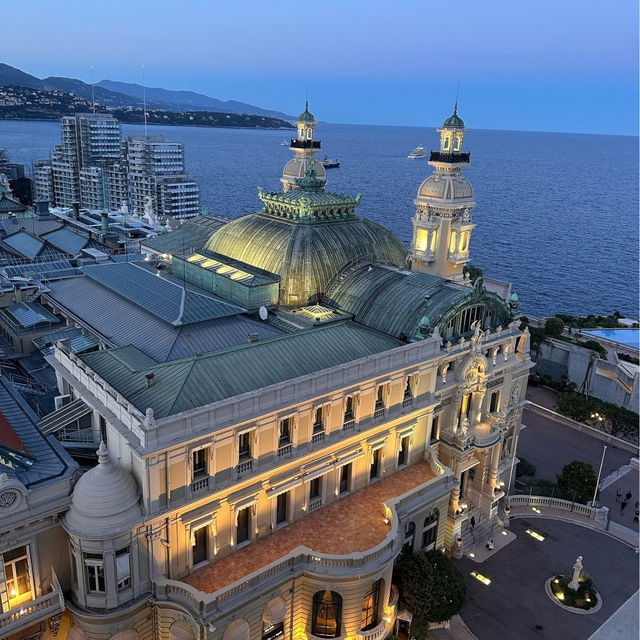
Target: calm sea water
{"points": [[557, 214]]}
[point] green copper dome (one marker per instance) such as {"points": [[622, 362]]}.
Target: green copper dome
{"points": [[455, 120], [307, 253], [306, 115]]}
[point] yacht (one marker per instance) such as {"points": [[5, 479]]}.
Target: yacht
{"points": [[329, 164], [418, 152]]}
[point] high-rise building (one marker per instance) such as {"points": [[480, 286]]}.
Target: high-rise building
{"points": [[43, 181], [156, 174]]}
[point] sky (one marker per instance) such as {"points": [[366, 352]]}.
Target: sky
{"points": [[563, 65]]}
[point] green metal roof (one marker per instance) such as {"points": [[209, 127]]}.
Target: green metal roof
{"points": [[188, 238], [306, 115], [404, 304], [454, 120], [200, 380]]}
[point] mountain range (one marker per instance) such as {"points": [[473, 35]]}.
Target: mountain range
{"points": [[123, 95]]}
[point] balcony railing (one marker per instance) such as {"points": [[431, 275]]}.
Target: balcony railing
{"points": [[305, 144], [453, 158], [199, 484], [244, 466], [458, 256], [349, 425], [379, 413], [284, 450], [317, 437], [34, 611], [315, 503], [407, 402]]}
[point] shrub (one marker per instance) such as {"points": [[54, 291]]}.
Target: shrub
{"points": [[430, 586], [554, 326], [525, 468], [595, 346], [578, 479]]}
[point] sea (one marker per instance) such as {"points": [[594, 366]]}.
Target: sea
{"points": [[556, 215]]}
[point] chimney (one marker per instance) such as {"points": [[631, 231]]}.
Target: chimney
{"points": [[105, 221], [76, 210], [149, 379]]}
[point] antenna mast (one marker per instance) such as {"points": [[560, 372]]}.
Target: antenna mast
{"points": [[144, 103]]}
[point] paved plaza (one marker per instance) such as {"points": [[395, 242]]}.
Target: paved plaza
{"points": [[515, 605]]}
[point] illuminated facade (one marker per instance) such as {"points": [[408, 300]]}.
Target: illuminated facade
{"points": [[265, 490]]}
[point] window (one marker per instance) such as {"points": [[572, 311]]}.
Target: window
{"points": [[285, 431], [348, 410], [493, 403], [318, 422], [370, 604], [18, 576], [103, 428], [272, 631], [282, 502], [199, 460], [199, 548], [408, 390], [430, 528], [94, 572], [435, 428], [403, 452], [242, 530], [315, 488], [327, 613], [380, 396], [123, 568], [375, 464], [345, 478], [244, 446]]}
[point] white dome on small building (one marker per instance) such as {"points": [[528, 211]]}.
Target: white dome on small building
{"points": [[446, 187], [297, 168], [105, 500]]}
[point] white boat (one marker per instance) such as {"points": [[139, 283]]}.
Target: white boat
{"points": [[284, 143], [418, 152]]}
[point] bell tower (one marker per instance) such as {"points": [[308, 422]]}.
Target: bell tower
{"points": [[305, 147], [442, 224]]}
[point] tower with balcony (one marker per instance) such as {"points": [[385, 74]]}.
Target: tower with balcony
{"points": [[442, 223], [305, 147]]}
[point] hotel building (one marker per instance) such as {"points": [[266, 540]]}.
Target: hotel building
{"points": [[347, 402]]}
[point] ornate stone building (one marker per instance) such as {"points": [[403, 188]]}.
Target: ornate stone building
{"points": [[264, 489]]}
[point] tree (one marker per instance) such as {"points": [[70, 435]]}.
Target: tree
{"points": [[554, 326], [578, 479], [525, 468], [430, 586]]}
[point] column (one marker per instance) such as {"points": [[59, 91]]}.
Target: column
{"points": [[493, 468]]}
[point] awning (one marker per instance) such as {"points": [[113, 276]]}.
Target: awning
{"points": [[63, 416], [275, 611]]}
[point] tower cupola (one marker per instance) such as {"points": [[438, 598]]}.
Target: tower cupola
{"points": [[442, 225], [305, 147]]}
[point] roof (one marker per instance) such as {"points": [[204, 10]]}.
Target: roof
{"points": [[156, 338], [161, 297], [454, 120], [306, 115], [306, 255], [30, 314], [48, 459], [25, 244], [66, 240], [36, 269], [188, 238], [64, 416], [9, 205], [394, 301], [198, 381]]}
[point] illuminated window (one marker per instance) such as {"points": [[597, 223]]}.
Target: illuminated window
{"points": [[458, 142], [327, 614], [94, 572], [421, 239], [370, 605], [446, 143], [18, 576]]}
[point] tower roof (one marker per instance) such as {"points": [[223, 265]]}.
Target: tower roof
{"points": [[306, 115], [454, 120]]}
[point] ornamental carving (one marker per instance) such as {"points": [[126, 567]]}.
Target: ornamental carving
{"points": [[7, 498]]}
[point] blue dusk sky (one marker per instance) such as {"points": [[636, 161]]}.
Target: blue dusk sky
{"points": [[564, 65]]}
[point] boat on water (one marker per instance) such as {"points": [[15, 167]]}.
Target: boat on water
{"points": [[284, 143], [418, 152], [329, 164]]}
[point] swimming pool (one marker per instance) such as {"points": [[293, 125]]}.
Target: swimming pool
{"points": [[627, 337]]}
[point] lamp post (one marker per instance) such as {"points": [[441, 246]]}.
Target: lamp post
{"points": [[595, 493]]}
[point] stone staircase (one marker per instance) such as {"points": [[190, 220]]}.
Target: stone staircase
{"points": [[483, 530]]}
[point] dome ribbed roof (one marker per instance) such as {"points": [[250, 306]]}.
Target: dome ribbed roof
{"points": [[446, 187], [104, 500], [306, 254], [454, 120], [297, 168], [306, 115]]}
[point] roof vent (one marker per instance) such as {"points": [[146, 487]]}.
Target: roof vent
{"points": [[254, 337], [149, 378]]}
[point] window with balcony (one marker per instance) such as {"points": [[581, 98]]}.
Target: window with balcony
{"points": [[242, 529], [318, 420], [326, 614], [403, 451], [94, 572], [345, 478], [282, 504], [123, 568], [408, 388], [374, 470], [244, 446], [315, 489], [285, 431], [18, 576], [370, 606], [381, 395], [199, 463], [349, 409]]}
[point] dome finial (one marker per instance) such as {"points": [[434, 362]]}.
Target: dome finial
{"points": [[103, 453]]}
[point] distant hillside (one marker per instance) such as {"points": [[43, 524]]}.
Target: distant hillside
{"points": [[122, 95], [189, 100], [26, 103]]}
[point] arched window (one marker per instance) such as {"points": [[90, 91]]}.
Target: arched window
{"points": [[370, 606], [327, 614]]}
